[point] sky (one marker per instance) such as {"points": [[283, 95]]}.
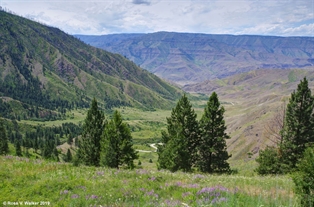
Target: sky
{"points": [[99, 17]]}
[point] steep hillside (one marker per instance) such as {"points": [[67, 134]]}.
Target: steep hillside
{"points": [[252, 99], [190, 58], [43, 67]]}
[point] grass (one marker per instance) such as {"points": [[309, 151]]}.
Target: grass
{"points": [[62, 184]]}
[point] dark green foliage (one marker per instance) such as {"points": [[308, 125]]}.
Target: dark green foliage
{"points": [[68, 156], [180, 142], [89, 144], [269, 162], [4, 147], [18, 150], [299, 125], [212, 148], [304, 178], [48, 147], [117, 145], [69, 140], [5, 110]]}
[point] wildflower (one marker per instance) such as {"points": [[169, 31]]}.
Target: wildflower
{"points": [[186, 194], [179, 184], [198, 176], [93, 197], [74, 196], [152, 178], [64, 192], [193, 185], [100, 173], [82, 187]]}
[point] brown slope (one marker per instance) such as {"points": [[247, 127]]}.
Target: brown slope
{"points": [[251, 100]]}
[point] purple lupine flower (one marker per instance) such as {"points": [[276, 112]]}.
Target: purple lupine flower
{"points": [[223, 188], [212, 189], [100, 173], [93, 197], [82, 187], [74, 196], [150, 192], [223, 199], [64, 192], [214, 200], [141, 171], [152, 178], [206, 190], [172, 202], [198, 176], [9, 157], [179, 184], [186, 194], [193, 185]]}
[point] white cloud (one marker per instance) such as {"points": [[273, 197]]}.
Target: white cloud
{"points": [[269, 17]]}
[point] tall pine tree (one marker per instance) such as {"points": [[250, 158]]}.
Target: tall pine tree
{"points": [[117, 145], [89, 145], [179, 143], [299, 125], [4, 147], [212, 149], [18, 150]]}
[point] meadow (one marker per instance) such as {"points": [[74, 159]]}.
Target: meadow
{"points": [[62, 184]]}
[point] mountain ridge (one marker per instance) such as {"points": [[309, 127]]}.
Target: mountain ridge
{"points": [[45, 67], [190, 58]]}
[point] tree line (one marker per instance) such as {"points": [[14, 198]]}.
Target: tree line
{"points": [[43, 140]]}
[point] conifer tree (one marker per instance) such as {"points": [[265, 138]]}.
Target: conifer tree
{"points": [[69, 156], [178, 151], [18, 150], [89, 145], [212, 149], [299, 125], [69, 139], [35, 144], [4, 147], [117, 145]]}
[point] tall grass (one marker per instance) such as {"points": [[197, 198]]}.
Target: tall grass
{"points": [[62, 184]]}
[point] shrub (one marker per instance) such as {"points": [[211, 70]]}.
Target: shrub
{"points": [[304, 178], [269, 162]]}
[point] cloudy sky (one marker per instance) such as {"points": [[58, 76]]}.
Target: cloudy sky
{"points": [[262, 17]]}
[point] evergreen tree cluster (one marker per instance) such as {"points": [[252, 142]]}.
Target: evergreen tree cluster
{"points": [[105, 143], [295, 153], [191, 144], [297, 133], [43, 140]]}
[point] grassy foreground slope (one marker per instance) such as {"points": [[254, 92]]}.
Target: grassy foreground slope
{"points": [[62, 184]]}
